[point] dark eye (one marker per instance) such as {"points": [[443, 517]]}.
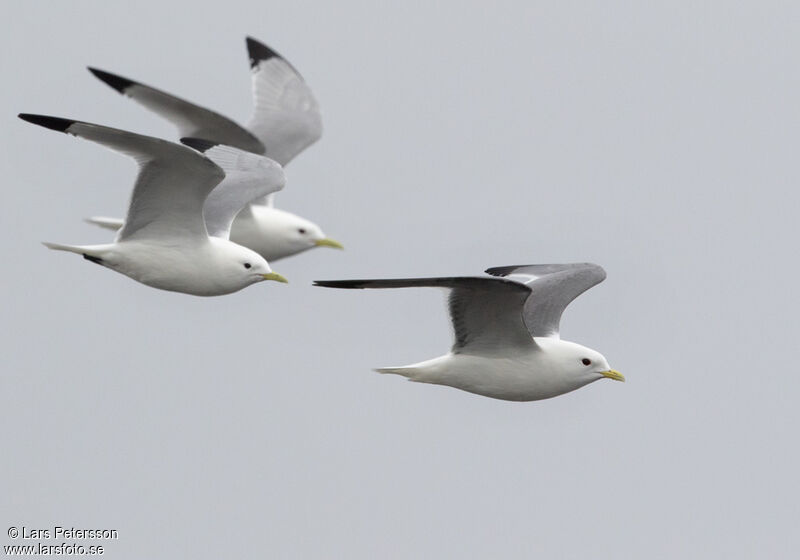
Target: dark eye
{"points": [[247, 265], [301, 231], [586, 362]]}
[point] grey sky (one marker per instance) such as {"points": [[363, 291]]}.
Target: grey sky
{"points": [[659, 141]]}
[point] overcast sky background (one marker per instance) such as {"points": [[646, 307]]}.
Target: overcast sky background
{"points": [[659, 141]]}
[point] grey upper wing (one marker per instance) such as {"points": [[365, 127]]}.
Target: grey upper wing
{"points": [[248, 177], [172, 184], [486, 312], [286, 117], [191, 120], [553, 287]]}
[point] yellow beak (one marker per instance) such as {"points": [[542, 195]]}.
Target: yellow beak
{"points": [[275, 276], [327, 242], [613, 374]]}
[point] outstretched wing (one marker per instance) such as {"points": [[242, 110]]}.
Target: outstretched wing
{"points": [[247, 177], [553, 287], [172, 184], [191, 120], [286, 117], [486, 312]]}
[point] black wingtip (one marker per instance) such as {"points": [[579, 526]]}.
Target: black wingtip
{"points": [[258, 51], [199, 144], [117, 82], [351, 284], [501, 270], [53, 123]]}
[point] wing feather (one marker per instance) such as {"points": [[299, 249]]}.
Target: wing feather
{"points": [[248, 177], [191, 120], [553, 287], [286, 117], [172, 184], [486, 313]]}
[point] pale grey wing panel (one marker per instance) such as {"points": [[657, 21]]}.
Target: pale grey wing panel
{"points": [[248, 177], [170, 190], [286, 117], [486, 313], [191, 120], [172, 184], [553, 287]]}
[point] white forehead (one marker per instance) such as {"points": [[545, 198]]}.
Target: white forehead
{"points": [[568, 350], [289, 220], [241, 253]]}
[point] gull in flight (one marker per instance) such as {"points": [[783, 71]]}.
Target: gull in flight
{"points": [[285, 121], [164, 242], [506, 327]]}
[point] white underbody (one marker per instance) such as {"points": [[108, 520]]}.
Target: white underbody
{"points": [[208, 267], [517, 375]]}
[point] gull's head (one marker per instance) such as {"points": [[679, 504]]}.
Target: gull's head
{"points": [[246, 266], [276, 233], [579, 363], [301, 234]]}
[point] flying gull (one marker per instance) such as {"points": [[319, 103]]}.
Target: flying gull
{"points": [[164, 242], [507, 343]]}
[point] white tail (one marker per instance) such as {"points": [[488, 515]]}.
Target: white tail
{"points": [[113, 224], [405, 371], [71, 248], [94, 253]]}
